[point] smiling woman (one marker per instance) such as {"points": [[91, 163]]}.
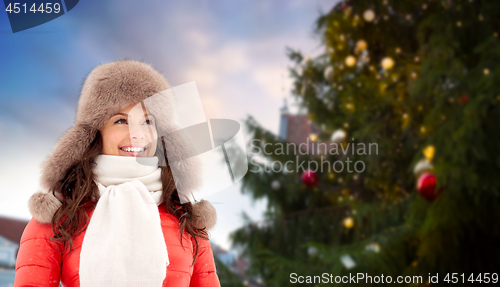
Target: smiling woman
{"points": [[104, 218]]}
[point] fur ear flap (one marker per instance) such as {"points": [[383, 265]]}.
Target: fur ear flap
{"points": [[204, 215], [43, 206]]}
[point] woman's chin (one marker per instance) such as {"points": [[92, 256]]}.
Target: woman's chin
{"points": [[133, 153]]}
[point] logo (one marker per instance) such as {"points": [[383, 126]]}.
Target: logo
{"points": [[28, 14]]}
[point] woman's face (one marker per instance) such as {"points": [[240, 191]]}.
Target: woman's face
{"points": [[130, 132]]}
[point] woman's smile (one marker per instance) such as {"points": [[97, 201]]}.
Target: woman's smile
{"points": [[131, 150]]}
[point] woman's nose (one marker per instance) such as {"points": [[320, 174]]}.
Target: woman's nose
{"points": [[136, 132]]}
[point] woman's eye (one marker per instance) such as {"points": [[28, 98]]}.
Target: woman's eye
{"points": [[149, 122], [121, 121]]}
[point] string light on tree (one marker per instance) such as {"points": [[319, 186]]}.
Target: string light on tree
{"points": [[406, 120], [312, 250], [348, 222], [313, 137], [347, 261], [276, 184], [328, 73], [350, 61], [387, 63], [369, 15]]}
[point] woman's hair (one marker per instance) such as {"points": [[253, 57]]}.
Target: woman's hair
{"points": [[78, 188]]}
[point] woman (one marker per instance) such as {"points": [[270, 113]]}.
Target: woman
{"points": [[104, 219]]}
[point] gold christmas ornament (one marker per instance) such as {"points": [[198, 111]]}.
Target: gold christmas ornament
{"points": [[348, 222], [387, 63], [361, 45], [429, 152], [486, 72], [369, 15], [350, 61]]}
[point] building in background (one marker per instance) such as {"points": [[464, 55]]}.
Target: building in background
{"points": [[10, 237], [299, 129]]}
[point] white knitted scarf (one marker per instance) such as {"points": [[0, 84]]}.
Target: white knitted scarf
{"points": [[124, 243]]}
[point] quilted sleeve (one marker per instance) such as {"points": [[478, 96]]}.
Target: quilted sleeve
{"points": [[38, 261], [204, 273]]}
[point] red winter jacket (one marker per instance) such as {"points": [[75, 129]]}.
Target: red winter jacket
{"points": [[39, 263]]}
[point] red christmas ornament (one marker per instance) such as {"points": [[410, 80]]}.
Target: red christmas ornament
{"points": [[463, 99], [309, 178], [426, 186]]}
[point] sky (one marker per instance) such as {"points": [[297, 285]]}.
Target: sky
{"points": [[235, 51]]}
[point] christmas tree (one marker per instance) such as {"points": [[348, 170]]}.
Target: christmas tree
{"points": [[407, 100]]}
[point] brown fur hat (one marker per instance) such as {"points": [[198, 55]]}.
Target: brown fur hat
{"points": [[107, 89]]}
